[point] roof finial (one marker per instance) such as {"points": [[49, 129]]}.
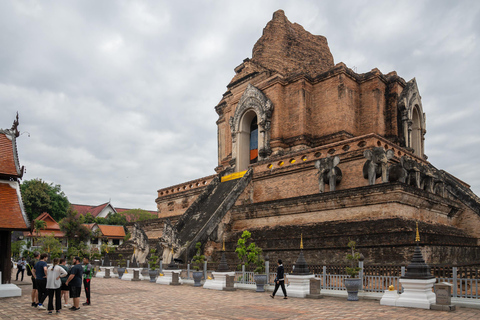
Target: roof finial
{"points": [[301, 241], [417, 236], [223, 243], [15, 126]]}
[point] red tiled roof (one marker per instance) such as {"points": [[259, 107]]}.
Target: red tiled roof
{"points": [[51, 223], [84, 209], [88, 225], [112, 231], [119, 210], [42, 233], [12, 217], [7, 158]]}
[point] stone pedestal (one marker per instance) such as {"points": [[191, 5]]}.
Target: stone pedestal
{"points": [[416, 293], [229, 283], [443, 293], [219, 280], [299, 285], [167, 277], [9, 289], [389, 298], [107, 273], [315, 288]]}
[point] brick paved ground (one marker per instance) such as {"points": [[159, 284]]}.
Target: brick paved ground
{"points": [[117, 299]]}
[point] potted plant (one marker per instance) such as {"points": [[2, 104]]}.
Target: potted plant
{"points": [[121, 266], [353, 284], [152, 262], [197, 260], [250, 256]]}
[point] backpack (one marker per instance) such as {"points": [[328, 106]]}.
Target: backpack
{"points": [[29, 269]]}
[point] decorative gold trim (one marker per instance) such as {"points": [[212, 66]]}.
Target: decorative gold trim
{"points": [[233, 176]]}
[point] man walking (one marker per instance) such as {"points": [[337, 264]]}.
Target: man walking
{"points": [[87, 278], [21, 264], [40, 274], [74, 282], [280, 280]]}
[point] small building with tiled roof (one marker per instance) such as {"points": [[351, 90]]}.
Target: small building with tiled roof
{"points": [[12, 212], [99, 211], [111, 235], [51, 228]]}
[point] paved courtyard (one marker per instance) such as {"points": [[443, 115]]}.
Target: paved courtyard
{"points": [[117, 299]]}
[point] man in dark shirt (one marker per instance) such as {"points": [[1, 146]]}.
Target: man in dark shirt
{"points": [[280, 280], [40, 274], [74, 282]]}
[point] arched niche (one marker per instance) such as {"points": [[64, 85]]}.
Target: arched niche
{"points": [[413, 118], [253, 103]]}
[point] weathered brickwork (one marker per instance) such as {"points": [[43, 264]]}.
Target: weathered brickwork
{"points": [[310, 109]]}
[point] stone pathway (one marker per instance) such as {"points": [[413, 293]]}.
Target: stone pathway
{"points": [[116, 299]]}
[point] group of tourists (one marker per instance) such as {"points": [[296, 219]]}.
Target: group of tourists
{"points": [[57, 281]]}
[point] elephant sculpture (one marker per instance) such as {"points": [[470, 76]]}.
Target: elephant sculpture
{"points": [[328, 171], [397, 172], [376, 164]]}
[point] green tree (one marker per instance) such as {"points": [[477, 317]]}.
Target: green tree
{"points": [[17, 247], [89, 218], [37, 225], [134, 215], [39, 196], [73, 229], [116, 219], [51, 245], [249, 255]]}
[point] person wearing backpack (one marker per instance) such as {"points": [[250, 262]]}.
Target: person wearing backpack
{"points": [[64, 287], [21, 265], [30, 266]]}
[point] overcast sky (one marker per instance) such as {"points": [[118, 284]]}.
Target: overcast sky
{"points": [[118, 97]]}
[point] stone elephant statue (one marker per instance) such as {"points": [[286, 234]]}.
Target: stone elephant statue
{"points": [[397, 172], [376, 164], [414, 172], [328, 171]]}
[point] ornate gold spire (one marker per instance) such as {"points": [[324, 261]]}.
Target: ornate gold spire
{"points": [[301, 240], [223, 248], [417, 236]]}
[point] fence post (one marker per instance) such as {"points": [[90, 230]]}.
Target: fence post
{"points": [[243, 273], [324, 277], [360, 273], [267, 270], [188, 271], [455, 284], [205, 270]]}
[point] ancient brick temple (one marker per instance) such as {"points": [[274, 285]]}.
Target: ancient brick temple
{"points": [[307, 146]]}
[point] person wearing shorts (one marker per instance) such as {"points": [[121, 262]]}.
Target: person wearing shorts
{"points": [[64, 287], [30, 266], [74, 282]]}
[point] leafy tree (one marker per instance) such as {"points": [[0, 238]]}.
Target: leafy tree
{"points": [[353, 257], [73, 229], [51, 245], [39, 196], [17, 247], [198, 259], [116, 219], [135, 215], [89, 218], [251, 254], [39, 224]]}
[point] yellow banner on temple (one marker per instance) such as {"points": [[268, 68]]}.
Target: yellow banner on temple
{"points": [[233, 176]]}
